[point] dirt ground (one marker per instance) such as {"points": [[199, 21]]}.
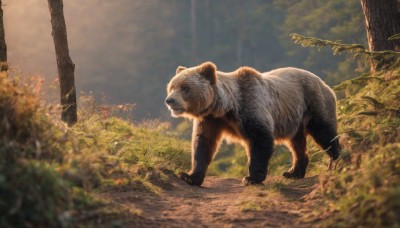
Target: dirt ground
{"points": [[220, 203]]}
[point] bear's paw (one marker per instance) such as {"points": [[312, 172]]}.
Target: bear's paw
{"points": [[250, 181], [190, 179], [293, 175]]}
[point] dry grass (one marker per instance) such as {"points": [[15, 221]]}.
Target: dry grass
{"points": [[50, 174]]}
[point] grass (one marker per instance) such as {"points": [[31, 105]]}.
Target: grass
{"points": [[32, 191], [230, 161], [367, 195], [364, 187], [248, 206], [364, 190], [51, 175], [113, 149]]}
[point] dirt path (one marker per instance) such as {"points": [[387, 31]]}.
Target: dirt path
{"points": [[221, 203]]}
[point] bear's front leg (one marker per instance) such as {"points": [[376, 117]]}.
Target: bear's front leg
{"points": [[205, 139], [260, 148]]}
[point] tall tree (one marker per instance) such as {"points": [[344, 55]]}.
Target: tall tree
{"points": [[3, 46], [193, 27], [65, 65], [382, 20]]}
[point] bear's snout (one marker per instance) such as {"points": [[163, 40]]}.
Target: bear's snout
{"points": [[176, 104], [169, 101]]}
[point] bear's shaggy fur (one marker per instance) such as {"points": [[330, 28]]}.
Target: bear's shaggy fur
{"points": [[255, 109]]}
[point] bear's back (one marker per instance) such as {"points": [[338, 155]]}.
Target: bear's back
{"points": [[316, 94]]}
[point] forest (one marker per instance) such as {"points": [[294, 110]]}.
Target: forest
{"points": [[128, 57], [86, 139]]}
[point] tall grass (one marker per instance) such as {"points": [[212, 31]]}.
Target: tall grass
{"points": [[50, 174]]}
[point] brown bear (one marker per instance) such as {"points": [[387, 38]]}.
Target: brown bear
{"points": [[255, 109]]}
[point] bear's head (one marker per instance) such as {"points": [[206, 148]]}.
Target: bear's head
{"points": [[191, 91]]}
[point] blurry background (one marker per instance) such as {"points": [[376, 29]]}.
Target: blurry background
{"points": [[126, 51]]}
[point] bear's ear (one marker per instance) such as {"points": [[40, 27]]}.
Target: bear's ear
{"points": [[208, 70], [180, 69]]}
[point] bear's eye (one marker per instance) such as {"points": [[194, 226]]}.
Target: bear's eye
{"points": [[185, 88]]}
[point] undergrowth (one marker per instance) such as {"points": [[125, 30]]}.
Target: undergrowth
{"points": [[31, 190], [50, 175], [364, 189], [112, 152]]}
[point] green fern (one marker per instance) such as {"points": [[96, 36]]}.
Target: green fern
{"points": [[357, 50]]}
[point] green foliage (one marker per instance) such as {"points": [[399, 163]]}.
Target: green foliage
{"points": [[23, 128], [387, 57], [337, 46], [370, 112], [365, 189], [32, 192], [367, 193], [49, 174], [112, 152], [335, 20]]}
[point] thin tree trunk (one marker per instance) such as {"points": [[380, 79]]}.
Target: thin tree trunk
{"points": [[207, 26], [3, 46], [65, 65], [193, 23], [207, 10], [239, 51], [382, 20]]}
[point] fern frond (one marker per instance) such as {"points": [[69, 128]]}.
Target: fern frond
{"points": [[339, 47], [395, 37], [374, 102]]}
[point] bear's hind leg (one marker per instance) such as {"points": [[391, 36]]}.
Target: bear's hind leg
{"points": [[299, 155], [325, 135]]}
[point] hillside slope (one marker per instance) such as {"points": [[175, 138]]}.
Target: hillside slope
{"points": [[110, 172]]}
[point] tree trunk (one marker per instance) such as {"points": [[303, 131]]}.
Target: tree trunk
{"points": [[382, 20], [65, 65], [208, 28], [239, 51], [3, 46], [193, 24]]}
